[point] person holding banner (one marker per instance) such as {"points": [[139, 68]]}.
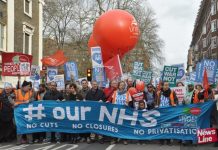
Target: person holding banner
{"points": [[7, 97], [53, 94], [40, 94], [166, 98], [139, 96], [24, 95], [95, 94], [85, 88], [73, 95], [150, 96], [121, 97], [38, 137], [191, 96], [110, 90], [130, 83]]}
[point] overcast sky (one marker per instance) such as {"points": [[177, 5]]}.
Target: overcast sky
{"points": [[176, 19]]}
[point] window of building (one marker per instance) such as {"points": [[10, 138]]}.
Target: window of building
{"points": [[204, 42], [27, 38], [213, 42], [2, 37], [28, 7], [213, 7], [204, 29], [213, 25]]}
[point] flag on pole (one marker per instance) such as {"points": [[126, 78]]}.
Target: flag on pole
{"points": [[113, 68], [205, 84]]}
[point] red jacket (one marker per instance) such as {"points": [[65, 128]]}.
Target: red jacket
{"points": [[109, 93]]}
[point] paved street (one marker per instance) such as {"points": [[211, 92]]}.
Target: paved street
{"points": [[97, 146]]}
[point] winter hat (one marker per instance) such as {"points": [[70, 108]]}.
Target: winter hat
{"points": [[7, 85], [25, 83]]}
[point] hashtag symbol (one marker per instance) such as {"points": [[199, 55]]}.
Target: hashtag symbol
{"points": [[37, 115]]}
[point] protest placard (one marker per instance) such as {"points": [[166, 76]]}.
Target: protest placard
{"points": [[51, 73], [181, 73], [71, 69], [138, 68], [24, 68], [170, 75], [210, 66], [192, 77], [96, 57], [59, 79], [35, 72], [98, 70], [180, 93], [146, 76], [16, 64]]}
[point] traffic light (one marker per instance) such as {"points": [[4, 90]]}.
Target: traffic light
{"points": [[89, 74]]}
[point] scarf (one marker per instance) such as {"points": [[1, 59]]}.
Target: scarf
{"points": [[166, 93]]}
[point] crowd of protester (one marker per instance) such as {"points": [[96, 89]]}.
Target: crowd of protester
{"points": [[121, 93]]}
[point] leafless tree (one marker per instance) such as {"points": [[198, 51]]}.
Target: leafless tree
{"points": [[71, 21], [149, 47]]}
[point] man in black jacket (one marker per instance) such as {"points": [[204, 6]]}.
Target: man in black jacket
{"points": [[53, 94], [6, 113], [95, 94]]}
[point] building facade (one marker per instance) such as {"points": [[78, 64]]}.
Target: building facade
{"points": [[21, 24], [205, 34]]}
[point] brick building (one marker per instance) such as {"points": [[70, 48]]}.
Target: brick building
{"points": [[21, 23], [205, 34]]}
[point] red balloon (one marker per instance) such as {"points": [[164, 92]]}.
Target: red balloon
{"points": [[132, 91], [140, 86], [117, 30]]}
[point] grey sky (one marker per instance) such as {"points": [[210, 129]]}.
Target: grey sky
{"points": [[176, 19]]}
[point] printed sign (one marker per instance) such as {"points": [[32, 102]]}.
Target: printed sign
{"points": [[180, 93], [59, 79], [99, 74], [71, 70], [146, 76], [96, 57], [181, 73], [35, 72], [119, 121], [208, 135], [170, 75], [192, 76], [98, 71], [138, 68], [24, 68], [51, 73], [14, 64], [211, 66]]}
